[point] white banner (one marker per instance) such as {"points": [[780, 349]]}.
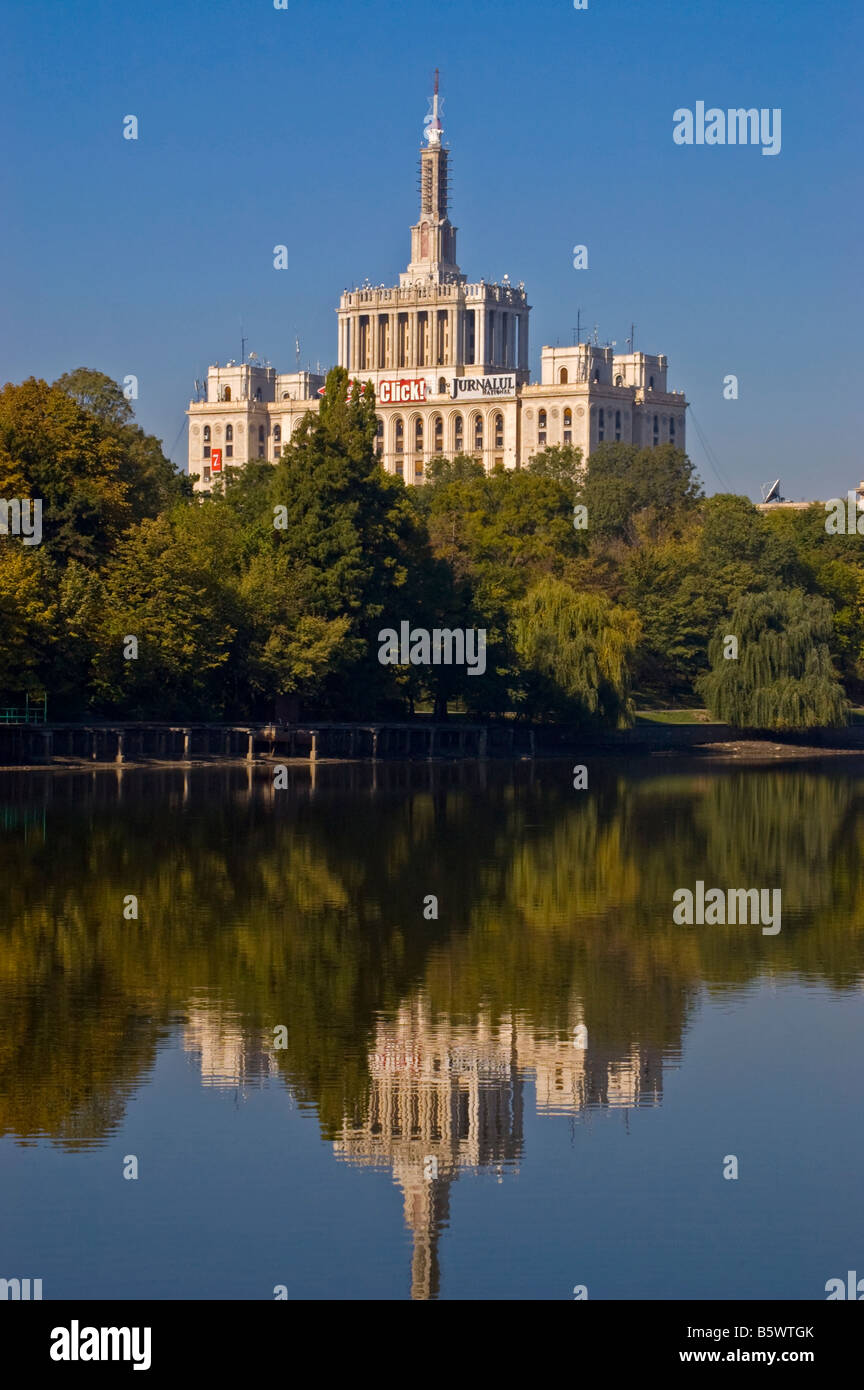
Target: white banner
{"points": [[474, 387]]}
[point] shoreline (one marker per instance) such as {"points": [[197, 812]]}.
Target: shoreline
{"points": [[751, 751]]}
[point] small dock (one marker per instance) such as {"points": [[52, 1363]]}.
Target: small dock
{"points": [[112, 745]]}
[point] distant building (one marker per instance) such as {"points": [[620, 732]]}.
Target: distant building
{"points": [[778, 503], [448, 360]]}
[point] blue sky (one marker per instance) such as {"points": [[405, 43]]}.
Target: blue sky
{"points": [[302, 126]]}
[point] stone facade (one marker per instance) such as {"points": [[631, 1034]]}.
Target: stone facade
{"points": [[448, 361]]}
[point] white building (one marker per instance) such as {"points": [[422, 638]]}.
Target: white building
{"points": [[448, 361]]}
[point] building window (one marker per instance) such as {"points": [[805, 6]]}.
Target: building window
{"points": [[206, 434], [229, 433], [229, 451], [478, 432], [442, 386], [260, 451], [596, 374], [226, 393], [650, 383], [418, 435], [206, 475], [379, 437], [671, 429], [619, 380], [422, 339], [418, 469], [443, 337], [541, 427], [402, 340], [458, 434], [260, 434], [438, 433], [656, 429], [617, 424], [563, 377], [601, 424], [499, 431], [400, 437], [206, 451], [568, 426], [285, 396], [277, 433], [400, 467]]}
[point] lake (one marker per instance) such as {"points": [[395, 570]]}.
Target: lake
{"points": [[430, 1031]]}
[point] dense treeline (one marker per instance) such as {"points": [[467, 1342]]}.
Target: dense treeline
{"points": [[591, 585]]}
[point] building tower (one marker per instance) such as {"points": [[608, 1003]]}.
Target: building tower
{"points": [[433, 238], [434, 319]]}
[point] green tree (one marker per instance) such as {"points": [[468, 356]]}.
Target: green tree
{"points": [[783, 676], [28, 616], [622, 481], [356, 551], [157, 591], [97, 394], [575, 649], [563, 462], [152, 481]]}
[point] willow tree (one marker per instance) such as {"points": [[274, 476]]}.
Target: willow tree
{"points": [[575, 651], [777, 673]]}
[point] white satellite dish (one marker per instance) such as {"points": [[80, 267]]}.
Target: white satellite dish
{"points": [[772, 493]]}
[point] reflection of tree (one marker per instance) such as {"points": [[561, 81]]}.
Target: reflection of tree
{"points": [[305, 911]]}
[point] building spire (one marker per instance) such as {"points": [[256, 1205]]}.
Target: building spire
{"points": [[434, 129], [433, 236]]}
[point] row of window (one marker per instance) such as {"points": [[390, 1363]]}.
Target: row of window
{"points": [[229, 441], [606, 420], [229, 434], [225, 394], [564, 377], [568, 426], [476, 433]]}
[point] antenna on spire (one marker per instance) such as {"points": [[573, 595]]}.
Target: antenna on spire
{"points": [[432, 122]]}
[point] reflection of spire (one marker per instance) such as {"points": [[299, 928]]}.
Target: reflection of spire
{"points": [[427, 1212], [442, 1099]]}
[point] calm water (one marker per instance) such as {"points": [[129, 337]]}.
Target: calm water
{"points": [[430, 1126]]}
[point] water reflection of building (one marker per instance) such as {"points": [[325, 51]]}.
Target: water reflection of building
{"points": [[447, 1097], [228, 1056], [444, 1098]]}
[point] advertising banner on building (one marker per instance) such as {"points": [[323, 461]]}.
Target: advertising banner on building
{"points": [[409, 389], [216, 460], [352, 382], [476, 387]]}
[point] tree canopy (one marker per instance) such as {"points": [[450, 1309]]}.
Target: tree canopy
{"points": [[596, 583], [779, 673]]}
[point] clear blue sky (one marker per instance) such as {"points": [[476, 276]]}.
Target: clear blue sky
{"points": [[302, 126]]}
